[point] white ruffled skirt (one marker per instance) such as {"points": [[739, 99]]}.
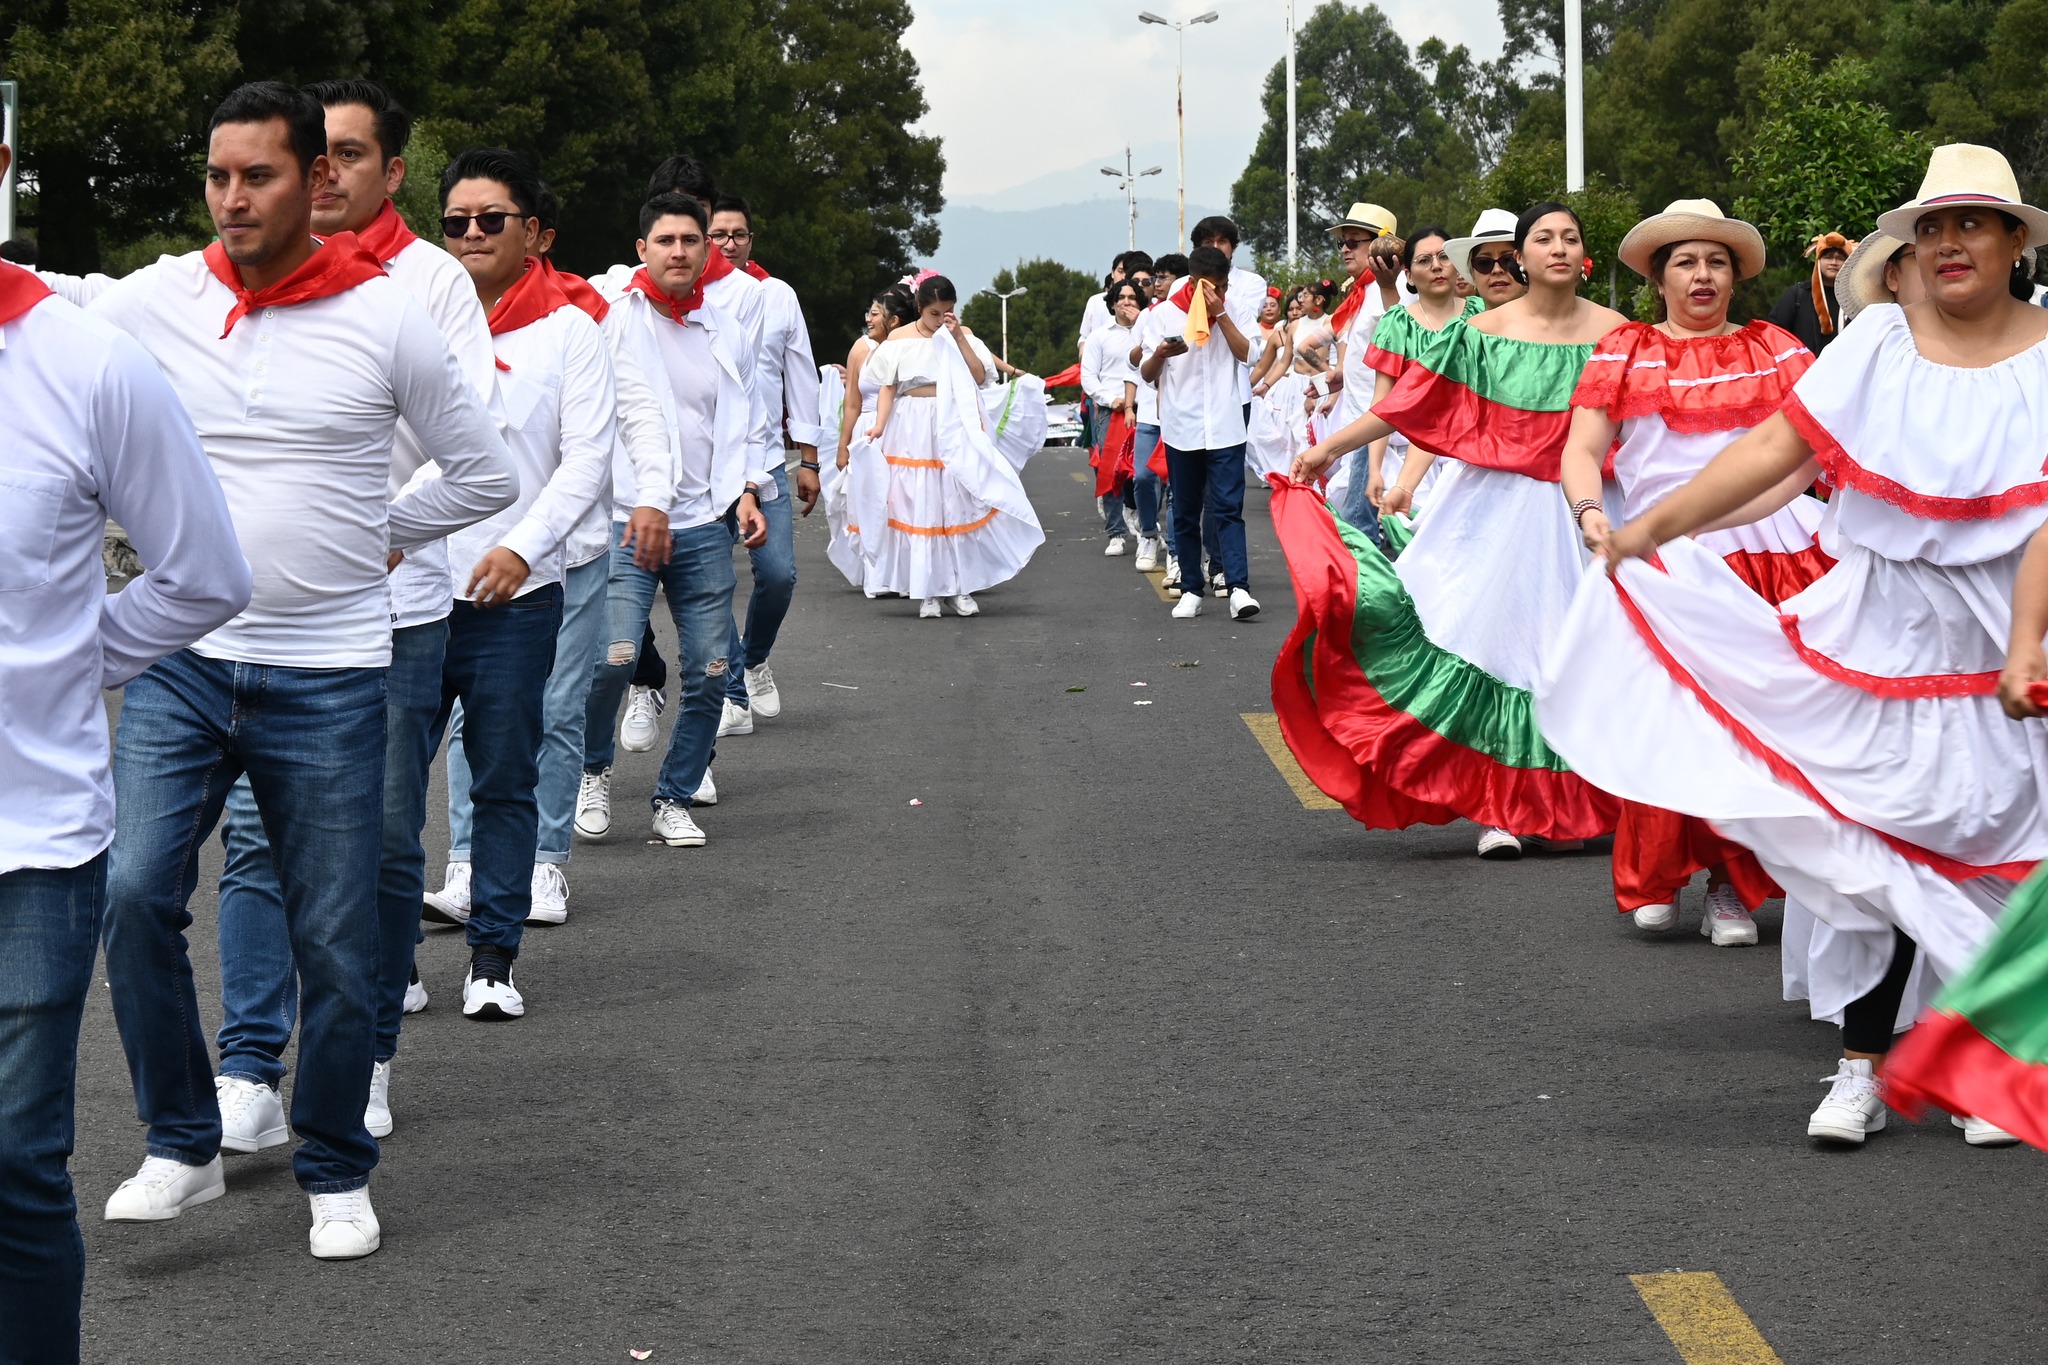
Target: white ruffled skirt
{"points": [[942, 521]]}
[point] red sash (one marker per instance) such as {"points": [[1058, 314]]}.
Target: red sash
{"points": [[1354, 299], [336, 266], [754, 268], [20, 291], [387, 234], [1113, 458]]}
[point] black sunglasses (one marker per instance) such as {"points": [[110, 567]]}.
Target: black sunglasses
{"points": [[1486, 265], [490, 224]]}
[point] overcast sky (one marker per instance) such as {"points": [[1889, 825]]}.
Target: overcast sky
{"points": [[1021, 89]]}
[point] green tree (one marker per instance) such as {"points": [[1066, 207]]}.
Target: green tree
{"points": [[1532, 171], [1043, 322]]}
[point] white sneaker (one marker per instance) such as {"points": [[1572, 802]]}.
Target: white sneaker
{"points": [[1148, 554], [450, 905], [344, 1225], [1243, 605], [642, 725], [929, 611], [1497, 845], [1131, 520], [763, 696], [965, 605], [1117, 545], [674, 827], [251, 1115], [1727, 923], [163, 1188], [594, 805], [377, 1113], [1658, 919], [415, 994], [1188, 607], [1983, 1132], [550, 895], [706, 793], [1852, 1110], [488, 992], [1216, 582], [735, 720]]}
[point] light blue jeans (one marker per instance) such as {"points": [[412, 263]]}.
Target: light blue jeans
{"points": [[774, 565]]}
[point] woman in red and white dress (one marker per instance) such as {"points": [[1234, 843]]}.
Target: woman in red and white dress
{"points": [[1675, 393]]}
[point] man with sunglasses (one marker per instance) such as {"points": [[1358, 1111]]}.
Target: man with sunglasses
{"points": [[1371, 256]]}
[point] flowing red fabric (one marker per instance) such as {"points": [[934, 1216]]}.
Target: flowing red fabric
{"points": [[20, 291], [387, 234], [754, 268], [1354, 299], [579, 291], [1113, 459], [715, 269], [1065, 378], [1183, 296], [1943, 1061], [336, 266]]}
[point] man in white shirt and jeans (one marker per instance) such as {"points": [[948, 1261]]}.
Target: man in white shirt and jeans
{"points": [[296, 359], [93, 432]]}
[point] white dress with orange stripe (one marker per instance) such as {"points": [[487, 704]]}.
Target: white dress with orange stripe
{"points": [[952, 517]]}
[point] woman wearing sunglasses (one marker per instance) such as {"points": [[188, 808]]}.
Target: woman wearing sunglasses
{"points": [[1406, 689]]}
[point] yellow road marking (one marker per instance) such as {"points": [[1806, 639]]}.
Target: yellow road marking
{"points": [[1266, 730], [1703, 1320], [1078, 477], [1157, 578]]}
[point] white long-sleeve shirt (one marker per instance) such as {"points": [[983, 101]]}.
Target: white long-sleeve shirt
{"points": [[643, 468], [93, 431], [1095, 315], [789, 374], [1200, 407], [297, 409], [1106, 363]]}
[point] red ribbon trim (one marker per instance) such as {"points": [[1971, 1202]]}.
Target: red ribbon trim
{"points": [[1843, 471]]}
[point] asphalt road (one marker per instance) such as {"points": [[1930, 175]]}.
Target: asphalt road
{"points": [[1108, 1050]]}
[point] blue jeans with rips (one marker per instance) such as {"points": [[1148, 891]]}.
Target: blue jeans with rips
{"points": [[49, 933], [774, 565], [312, 742]]}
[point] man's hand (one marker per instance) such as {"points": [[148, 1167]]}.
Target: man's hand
{"points": [[648, 537], [807, 486], [497, 578], [1172, 346], [1212, 297], [753, 526]]}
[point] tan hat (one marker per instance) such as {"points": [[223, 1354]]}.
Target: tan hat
{"points": [[1371, 217], [1693, 220], [1860, 282], [1963, 173], [1494, 225]]}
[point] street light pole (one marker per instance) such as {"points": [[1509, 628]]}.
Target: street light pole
{"points": [[1574, 97], [1005, 300], [1130, 182], [1292, 180], [1180, 123]]}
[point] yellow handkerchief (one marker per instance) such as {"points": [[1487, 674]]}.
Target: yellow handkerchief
{"points": [[1197, 331]]}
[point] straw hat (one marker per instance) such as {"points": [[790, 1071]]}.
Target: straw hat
{"points": [[1494, 225], [1368, 217], [1861, 281], [1694, 220], [1963, 173]]}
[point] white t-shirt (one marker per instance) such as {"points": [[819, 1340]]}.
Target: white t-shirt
{"points": [[692, 372]]}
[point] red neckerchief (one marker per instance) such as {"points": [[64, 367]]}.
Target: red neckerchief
{"points": [[578, 289], [387, 234], [754, 268], [532, 297], [716, 269], [1184, 296], [336, 266], [1354, 299], [20, 291]]}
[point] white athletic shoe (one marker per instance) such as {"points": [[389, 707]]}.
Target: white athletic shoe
{"points": [[1131, 520], [735, 720], [1497, 845], [1173, 575], [594, 805], [1983, 1132], [1727, 923], [1117, 545], [1243, 606], [763, 696], [344, 1226], [550, 891], [1188, 607], [251, 1115], [488, 992], [706, 793], [965, 605], [1222, 589], [1853, 1110], [415, 994], [377, 1113], [1658, 919], [450, 905], [674, 827], [642, 724], [164, 1188], [929, 611], [1148, 554]]}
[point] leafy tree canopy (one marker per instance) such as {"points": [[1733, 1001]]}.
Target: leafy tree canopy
{"points": [[1043, 322]]}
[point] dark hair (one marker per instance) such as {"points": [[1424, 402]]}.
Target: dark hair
{"points": [[394, 125], [1322, 289], [1116, 292], [936, 289], [305, 119], [1214, 228], [663, 205], [1425, 231], [1536, 213], [1135, 260], [1209, 263], [1172, 263], [732, 203], [1110, 281], [548, 208], [509, 169], [2020, 284], [19, 250], [682, 174], [897, 302]]}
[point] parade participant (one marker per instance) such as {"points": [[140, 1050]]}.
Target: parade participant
{"points": [[890, 309], [953, 517], [1676, 393], [1195, 351], [1851, 737], [296, 358], [1809, 310], [1095, 313], [1487, 261], [712, 414], [1148, 483], [1880, 270], [1432, 718], [1369, 250], [1106, 370], [93, 432]]}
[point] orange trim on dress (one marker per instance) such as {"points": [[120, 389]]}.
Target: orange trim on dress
{"points": [[905, 462], [896, 525]]}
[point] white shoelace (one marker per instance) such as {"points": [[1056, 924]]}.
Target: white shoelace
{"points": [[596, 787], [1846, 1086], [345, 1207], [1723, 903], [157, 1172], [235, 1097], [550, 876], [761, 678]]}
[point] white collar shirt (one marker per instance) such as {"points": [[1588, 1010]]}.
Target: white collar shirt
{"points": [[1094, 315], [788, 373], [1243, 301], [1200, 394], [1360, 378], [1106, 363]]}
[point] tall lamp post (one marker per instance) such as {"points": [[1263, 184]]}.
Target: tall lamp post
{"points": [[1130, 182], [1005, 298], [1180, 122], [1574, 97], [1292, 179]]}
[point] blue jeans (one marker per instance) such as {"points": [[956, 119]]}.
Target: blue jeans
{"points": [[1208, 500], [699, 581], [312, 742], [1144, 483], [499, 659], [1358, 510], [259, 984], [49, 931], [774, 563], [578, 647]]}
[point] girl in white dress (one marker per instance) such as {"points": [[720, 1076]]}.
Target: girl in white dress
{"points": [[892, 308]]}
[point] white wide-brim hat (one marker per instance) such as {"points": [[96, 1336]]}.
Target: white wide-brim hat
{"points": [[1693, 220], [1860, 282], [1494, 225], [1367, 217], [1959, 175]]}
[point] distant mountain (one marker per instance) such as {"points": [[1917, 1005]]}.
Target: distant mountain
{"points": [[976, 242], [1078, 183]]}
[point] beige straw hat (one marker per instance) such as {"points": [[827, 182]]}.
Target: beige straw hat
{"points": [[1694, 220], [1959, 174], [1861, 281], [1369, 217]]}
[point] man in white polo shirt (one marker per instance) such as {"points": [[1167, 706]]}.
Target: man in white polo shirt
{"points": [[296, 359], [93, 432]]}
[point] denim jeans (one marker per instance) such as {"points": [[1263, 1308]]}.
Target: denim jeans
{"points": [[1208, 492], [49, 931], [774, 564], [578, 649], [312, 742], [259, 984], [699, 581], [1144, 483], [1357, 510], [498, 663]]}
